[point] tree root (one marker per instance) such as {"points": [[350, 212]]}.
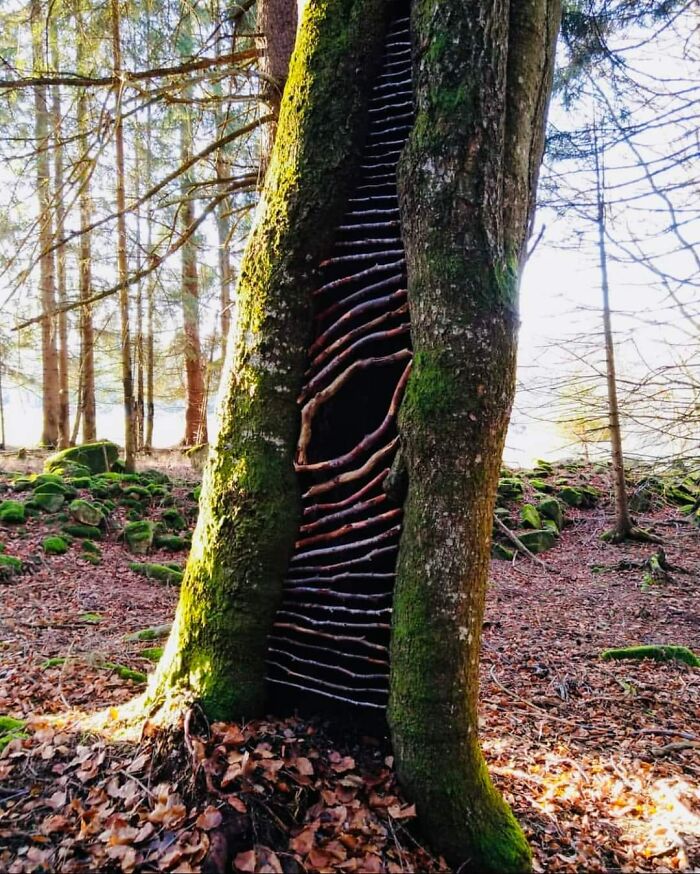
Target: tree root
{"points": [[641, 535]]}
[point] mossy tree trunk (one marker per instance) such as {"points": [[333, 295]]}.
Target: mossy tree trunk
{"points": [[467, 179], [482, 77], [249, 505]]}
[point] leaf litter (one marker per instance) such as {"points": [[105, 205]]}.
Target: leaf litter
{"points": [[599, 760]]}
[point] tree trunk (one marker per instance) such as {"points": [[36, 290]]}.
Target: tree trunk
{"points": [[467, 181], [60, 210], [122, 264], [47, 273], [277, 22], [623, 523]]}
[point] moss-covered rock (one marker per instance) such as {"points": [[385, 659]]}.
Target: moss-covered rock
{"points": [[499, 551], [540, 485], [160, 572], [86, 513], [152, 653], [530, 517], [84, 532], [96, 457], [139, 536], [550, 508], [49, 502], [54, 545], [571, 496], [154, 633], [125, 673], [12, 513], [538, 541], [81, 482], [657, 652], [171, 542], [91, 547], [9, 566], [510, 488], [173, 519]]}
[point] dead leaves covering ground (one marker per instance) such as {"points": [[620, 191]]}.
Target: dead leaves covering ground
{"points": [[598, 759]]}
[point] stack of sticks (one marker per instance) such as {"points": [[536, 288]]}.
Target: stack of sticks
{"points": [[331, 635]]}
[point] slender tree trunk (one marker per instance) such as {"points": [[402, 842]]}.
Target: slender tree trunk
{"points": [[623, 523], [195, 415], [47, 273], [139, 350], [2, 401], [86, 392], [482, 78], [122, 264], [277, 22], [63, 393], [151, 287]]}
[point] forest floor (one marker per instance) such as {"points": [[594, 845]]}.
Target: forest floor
{"points": [[600, 760]]}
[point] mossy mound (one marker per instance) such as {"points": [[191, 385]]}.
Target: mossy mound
{"points": [[139, 536], [125, 673], [657, 652], [173, 519], [95, 457], [134, 490], [91, 547], [583, 497], [84, 532], [530, 517], [82, 482], [171, 542], [54, 545], [9, 566], [160, 572], [153, 653], [499, 551], [86, 513], [49, 502], [539, 540], [540, 485], [550, 508], [12, 513], [155, 633], [510, 488]]}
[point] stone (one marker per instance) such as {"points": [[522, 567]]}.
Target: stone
{"points": [[499, 551], [12, 513], [538, 541], [55, 545], [139, 536], [49, 502], [550, 508], [86, 513], [530, 517], [95, 457]]}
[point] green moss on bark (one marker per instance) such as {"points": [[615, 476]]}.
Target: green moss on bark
{"points": [[249, 505]]}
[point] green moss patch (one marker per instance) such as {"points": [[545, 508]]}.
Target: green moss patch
{"points": [[12, 513], [139, 536], [155, 633], [10, 729], [171, 542], [84, 532], [657, 652], [125, 673], [160, 572], [95, 457], [153, 653], [54, 545], [9, 565]]}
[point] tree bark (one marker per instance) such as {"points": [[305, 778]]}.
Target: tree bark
{"points": [[467, 184], [47, 272], [623, 523], [249, 505], [195, 411], [277, 22], [60, 211], [122, 263]]}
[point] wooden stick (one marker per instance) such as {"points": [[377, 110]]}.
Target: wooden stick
{"points": [[363, 559], [357, 296], [370, 271], [335, 608], [335, 652], [349, 528], [516, 541], [349, 501], [329, 667], [310, 409], [348, 547], [353, 335], [351, 475], [325, 683], [339, 596], [369, 440], [327, 694], [343, 514], [290, 626], [341, 359], [363, 256]]}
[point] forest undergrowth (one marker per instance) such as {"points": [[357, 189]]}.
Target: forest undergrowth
{"points": [[600, 759]]}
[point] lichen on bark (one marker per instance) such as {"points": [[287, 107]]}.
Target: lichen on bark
{"points": [[249, 509]]}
